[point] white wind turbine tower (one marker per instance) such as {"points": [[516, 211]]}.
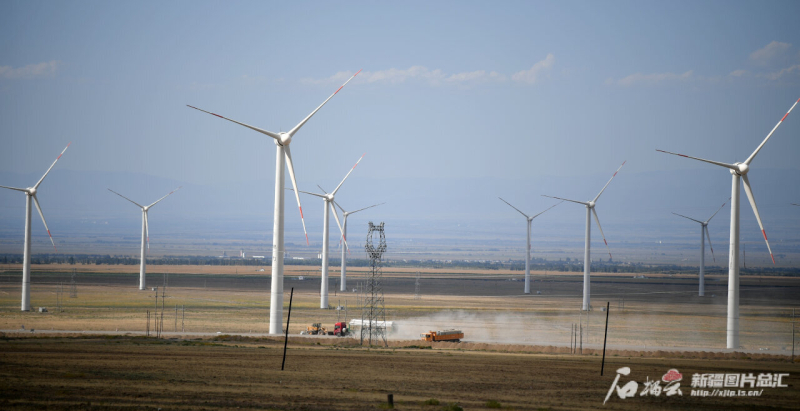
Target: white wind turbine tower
{"points": [[528, 249], [145, 233], [345, 214], [703, 232], [283, 159], [587, 257], [739, 173], [30, 193], [327, 205]]}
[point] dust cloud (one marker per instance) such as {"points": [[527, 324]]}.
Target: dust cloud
{"points": [[503, 328]]}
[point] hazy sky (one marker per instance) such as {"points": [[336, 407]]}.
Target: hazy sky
{"points": [[448, 89]]}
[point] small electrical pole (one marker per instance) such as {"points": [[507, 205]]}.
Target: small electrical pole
{"points": [[605, 339], [286, 339], [416, 288], [73, 290], [163, 298], [155, 313]]}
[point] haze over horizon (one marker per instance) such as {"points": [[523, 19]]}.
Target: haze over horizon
{"points": [[458, 103]]}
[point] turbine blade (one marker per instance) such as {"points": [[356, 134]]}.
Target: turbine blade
{"points": [[341, 230], [290, 166], [51, 166], [749, 192], [170, 193], [340, 207], [348, 174], [609, 181], [566, 199], [708, 236], [38, 208], [720, 208], [690, 218], [276, 136], [147, 229], [323, 190], [537, 215], [297, 127], [726, 165], [306, 192], [796, 204], [515, 208], [752, 156], [362, 209], [601, 232], [14, 188], [134, 202]]}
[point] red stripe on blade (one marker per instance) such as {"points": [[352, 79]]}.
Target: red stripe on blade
{"points": [[604, 240], [218, 115], [784, 116], [301, 211], [765, 235], [307, 243], [359, 71], [773, 258]]}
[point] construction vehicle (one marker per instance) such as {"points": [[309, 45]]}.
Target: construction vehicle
{"points": [[446, 335], [316, 329], [340, 329]]}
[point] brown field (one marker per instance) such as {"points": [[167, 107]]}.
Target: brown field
{"points": [[244, 373], [515, 350]]}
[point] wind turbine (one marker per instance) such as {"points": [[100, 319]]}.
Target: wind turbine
{"points": [[30, 193], [587, 260], [739, 173], [327, 205], [145, 232], [528, 249], [703, 232], [345, 214], [283, 159]]}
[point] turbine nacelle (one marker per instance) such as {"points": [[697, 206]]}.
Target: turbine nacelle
{"points": [[741, 169], [590, 204], [283, 140], [31, 191]]}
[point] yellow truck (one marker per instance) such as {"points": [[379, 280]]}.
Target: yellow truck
{"points": [[316, 329], [446, 335]]}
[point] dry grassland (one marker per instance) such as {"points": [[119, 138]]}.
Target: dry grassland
{"points": [[244, 373]]}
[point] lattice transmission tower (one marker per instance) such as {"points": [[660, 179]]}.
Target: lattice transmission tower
{"points": [[373, 311]]}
